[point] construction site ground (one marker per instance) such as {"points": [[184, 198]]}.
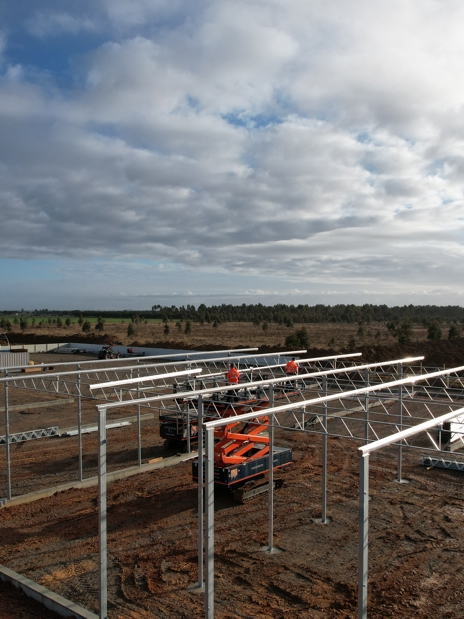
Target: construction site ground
{"points": [[416, 550]]}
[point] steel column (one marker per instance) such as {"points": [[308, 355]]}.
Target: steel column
{"points": [[200, 493], [209, 584], [102, 515], [363, 535], [79, 424], [139, 428], [7, 445], [271, 472], [366, 407], [188, 428], [324, 455], [400, 424]]}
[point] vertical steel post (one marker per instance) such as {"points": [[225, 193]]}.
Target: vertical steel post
{"points": [[188, 428], [102, 514], [7, 439], [400, 424], [209, 584], [363, 535], [139, 428], [324, 455], [200, 492], [271, 471], [366, 407], [79, 423]]}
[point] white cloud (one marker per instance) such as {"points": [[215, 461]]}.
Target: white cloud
{"points": [[297, 142]]}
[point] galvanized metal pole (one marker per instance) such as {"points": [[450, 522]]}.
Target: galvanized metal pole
{"points": [[209, 584], [366, 407], [139, 428], [102, 515], [324, 455], [79, 424], [200, 493], [271, 472], [363, 535], [188, 428], [400, 424], [7, 444]]}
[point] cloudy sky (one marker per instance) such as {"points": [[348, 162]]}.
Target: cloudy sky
{"points": [[231, 151]]}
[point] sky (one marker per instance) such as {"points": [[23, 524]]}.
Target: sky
{"points": [[231, 151]]}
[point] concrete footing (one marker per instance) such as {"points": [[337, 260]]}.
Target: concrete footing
{"points": [[50, 600]]}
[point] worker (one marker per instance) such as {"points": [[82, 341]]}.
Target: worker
{"points": [[232, 377], [291, 369]]}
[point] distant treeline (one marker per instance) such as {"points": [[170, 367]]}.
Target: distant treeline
{"points": [[281, 313]]}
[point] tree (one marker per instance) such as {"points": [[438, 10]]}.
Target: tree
{"points": [[265, 326], [166, 329], [188, 327], [299, 339], [130, 329], [86, 326], [23, 323], [136, 321], [68, 322], [59, 322], [453, 332], [404, 331], [100, 326], [434, 331]]}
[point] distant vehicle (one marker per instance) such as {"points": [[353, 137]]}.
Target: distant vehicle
{"points": [[107, 352]]}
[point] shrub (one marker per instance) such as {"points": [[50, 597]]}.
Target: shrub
{"points": [[434, 331], [453, 332], [299, 339]]}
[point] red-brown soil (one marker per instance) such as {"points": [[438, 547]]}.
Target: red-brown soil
{"points": [[416, 543]]}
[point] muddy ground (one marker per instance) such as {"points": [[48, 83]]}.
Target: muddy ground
{"points": [[416, 543]]}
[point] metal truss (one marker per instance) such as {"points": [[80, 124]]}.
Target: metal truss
{"points": [[30, 435], [432, 462], [77, 382]]}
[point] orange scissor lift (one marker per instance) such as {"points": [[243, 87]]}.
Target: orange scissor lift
{"points": [[241, 455]]}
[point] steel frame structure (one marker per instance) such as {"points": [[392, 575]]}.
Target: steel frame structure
{"points": [[155, 376], [398, 438], [329, 415], [355, 428]]}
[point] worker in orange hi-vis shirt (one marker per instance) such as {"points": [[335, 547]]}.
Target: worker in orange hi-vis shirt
{"points": [[291, 367], [233, 376]]}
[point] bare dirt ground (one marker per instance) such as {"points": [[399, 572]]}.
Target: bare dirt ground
{"points": [[415, 552], [416, 543]]}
